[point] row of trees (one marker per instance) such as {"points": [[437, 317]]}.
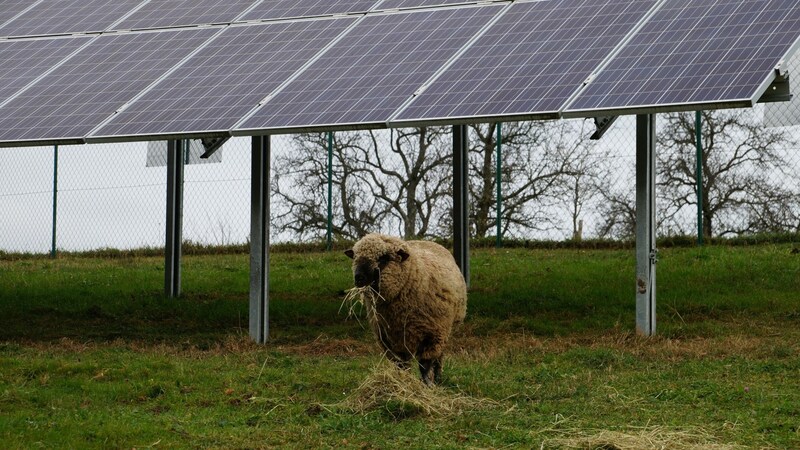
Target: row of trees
{"points": [[553, 180]]}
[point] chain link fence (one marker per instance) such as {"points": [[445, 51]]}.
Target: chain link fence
{"points": [[555, 184]]}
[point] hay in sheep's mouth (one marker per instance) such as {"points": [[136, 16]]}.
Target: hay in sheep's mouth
{"points": [[363, 298], [401, 394]]}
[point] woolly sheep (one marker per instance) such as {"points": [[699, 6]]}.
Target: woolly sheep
{"points": [[417, 295]]}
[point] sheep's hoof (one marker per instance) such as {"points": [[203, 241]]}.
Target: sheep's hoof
{"points": [[437, 372], [427, 371]]}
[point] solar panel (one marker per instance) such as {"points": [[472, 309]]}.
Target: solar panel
{"points": [[225, 80], [9, 9], [530, 62], [376, 67], [25, 60], [398, 4], [281, 9], [695, 54], [67, 103], [68, 16], [169, 13]]}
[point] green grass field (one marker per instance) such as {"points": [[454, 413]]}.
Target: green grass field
{"points": [[93, 356]]}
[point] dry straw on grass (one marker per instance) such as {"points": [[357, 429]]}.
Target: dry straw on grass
{"points": [[401, 393], [647, 438]]}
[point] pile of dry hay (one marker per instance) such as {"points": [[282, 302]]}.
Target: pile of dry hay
{"points": [[401, 394], [655, 438]]}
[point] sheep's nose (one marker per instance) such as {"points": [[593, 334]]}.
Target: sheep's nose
{"points": [[361, 279]]}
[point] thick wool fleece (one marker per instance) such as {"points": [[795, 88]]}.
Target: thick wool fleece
{"points": [[422, 294]]}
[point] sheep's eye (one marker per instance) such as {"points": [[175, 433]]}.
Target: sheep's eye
{"points": [[384, 259]]}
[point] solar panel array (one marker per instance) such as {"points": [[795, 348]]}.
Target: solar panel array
{"points": [[694, 54], [530, 62], [226, 79], [70, 101], [377, 66], [268, 66]]}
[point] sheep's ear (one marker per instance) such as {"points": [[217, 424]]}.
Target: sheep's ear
{"points": [[349, 253], [403, 255]]}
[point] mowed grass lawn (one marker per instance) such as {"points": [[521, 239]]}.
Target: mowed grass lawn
{"points": [[93, 356]]}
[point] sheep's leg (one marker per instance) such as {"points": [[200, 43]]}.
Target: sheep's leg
{"points": [[401, 361], [426, 370], [437, 370]]}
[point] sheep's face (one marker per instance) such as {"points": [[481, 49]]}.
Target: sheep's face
{"points": [[371, 256]]}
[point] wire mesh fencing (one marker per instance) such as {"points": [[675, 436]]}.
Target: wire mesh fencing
{"points": [[544, 181]]}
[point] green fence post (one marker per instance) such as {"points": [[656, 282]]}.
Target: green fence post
{"points": [[55, 200], [699, 175]]}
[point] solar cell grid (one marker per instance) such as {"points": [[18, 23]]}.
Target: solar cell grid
{"points": [[74, 98], [708, 52], [226, 79], [530, 62], [25, 60], [168, 13], [281, 9], [9, 9], [376, 67], [69, 16], [398, 4]]}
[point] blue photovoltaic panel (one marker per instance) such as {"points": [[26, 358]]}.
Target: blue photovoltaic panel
{"points": [[169, 13], [696, 52], [25, 60], [90, 86], [398, 4], [9, 9], [68, 16], [368, 74], [225, 80], [530, 62], [281, 9]]}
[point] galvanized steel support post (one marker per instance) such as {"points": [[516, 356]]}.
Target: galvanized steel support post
{"points": [[174, 238], [259, 240], [499, 177], [646, 253], [329, 231], [461, 200]]}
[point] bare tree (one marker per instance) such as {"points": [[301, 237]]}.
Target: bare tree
{"points": [[742, 168], [382, 181], [775, 211], [409, 177], [617, 191], [583, 180], [535, 159], [301, 183]]}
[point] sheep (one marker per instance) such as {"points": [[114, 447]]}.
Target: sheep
{"points": [[414, 294]]}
